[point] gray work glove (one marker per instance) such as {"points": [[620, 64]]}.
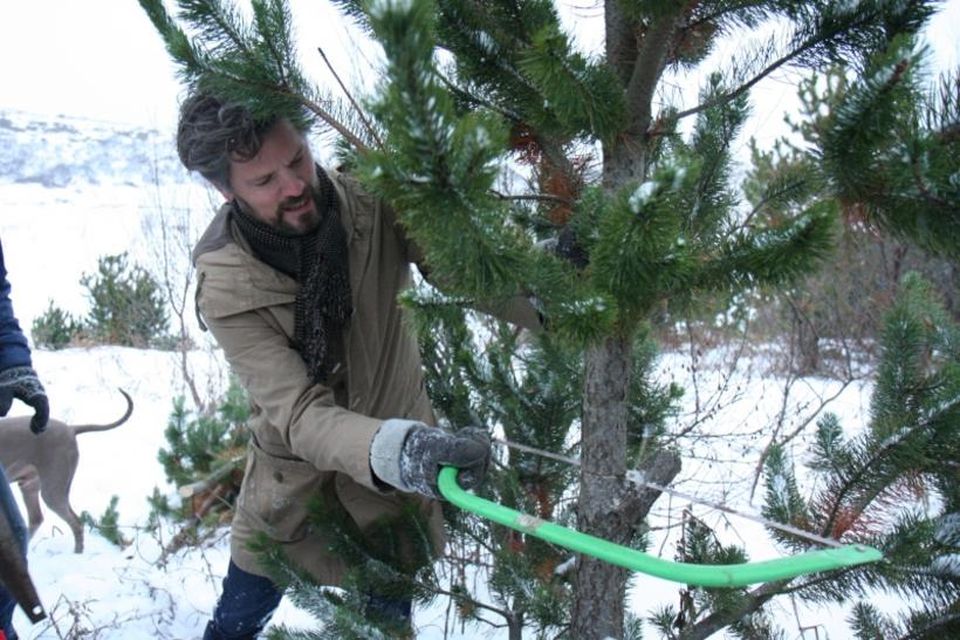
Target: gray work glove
{"points": [[409, 455], [23, 384]]}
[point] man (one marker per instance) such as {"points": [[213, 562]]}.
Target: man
{"points": [[297, 279], [18, 381]]}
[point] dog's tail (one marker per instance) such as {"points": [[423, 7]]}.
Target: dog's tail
{"points": [[84, 428]]}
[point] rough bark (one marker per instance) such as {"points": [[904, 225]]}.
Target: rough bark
{"points": [[598, 609], [608, 507]]}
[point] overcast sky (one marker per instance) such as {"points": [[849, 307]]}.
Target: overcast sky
{"points": [[102, 59]]}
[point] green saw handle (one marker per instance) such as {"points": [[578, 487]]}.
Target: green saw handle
{"points": [[702, 575]]}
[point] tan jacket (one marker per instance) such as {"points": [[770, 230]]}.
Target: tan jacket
{"points": [[309, 438]]}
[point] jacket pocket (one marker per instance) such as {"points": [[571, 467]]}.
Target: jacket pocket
{"points": [[276, 493]]}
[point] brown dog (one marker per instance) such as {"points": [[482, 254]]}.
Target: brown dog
{"points": [[44, 465]]}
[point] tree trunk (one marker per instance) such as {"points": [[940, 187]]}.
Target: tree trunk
{"points": [[600, 587], [515, 627]]}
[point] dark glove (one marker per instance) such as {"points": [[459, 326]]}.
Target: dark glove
{"points": [[23, 384], [427, 449]]}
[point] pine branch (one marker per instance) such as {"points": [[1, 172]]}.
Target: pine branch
{"points": [[751, 602], [273, 26], [944, 624], [871, 478], [758, 470], [824, 35], [335, 124], [771, 256], [647, 67], [779, 193], [742, 89], [217, 23], [213, 478], [360, 112], [455, 596], [179, 46]]}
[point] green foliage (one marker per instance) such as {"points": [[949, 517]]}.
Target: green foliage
{"points": [[127, 308], [665, 238], [108, 525], [783, 502], [480, 371], [879, 148], [888, 150], [197, 442], [160, 508], [207, 447], [127, 305], [237, 55], [392, 558], [533, 73], [869, 483], [55, 328], [699, 545]]}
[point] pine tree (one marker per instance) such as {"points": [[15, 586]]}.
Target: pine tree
{"points": [[627, 220], [871, 482], [482, 371]]}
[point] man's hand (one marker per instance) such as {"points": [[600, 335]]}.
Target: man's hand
{"points": [[23, 384], [428, 449], [408, 455]]}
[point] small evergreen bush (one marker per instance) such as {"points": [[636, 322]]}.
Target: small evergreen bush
{"points": [[108, 525], [208, 449], [55, 328], [127, 305]]}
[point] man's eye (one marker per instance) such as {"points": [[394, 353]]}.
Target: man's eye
{"points": [[262, 182]]}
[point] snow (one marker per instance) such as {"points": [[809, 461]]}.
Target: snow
{"points": [[949, 531], [948, 564], [643, 194]]}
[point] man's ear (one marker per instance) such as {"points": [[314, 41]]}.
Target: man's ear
{"points": [[225, 192]]}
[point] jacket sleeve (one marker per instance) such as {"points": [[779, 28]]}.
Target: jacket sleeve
{"points": [[14, 349], [311, 425], [309, 422]]}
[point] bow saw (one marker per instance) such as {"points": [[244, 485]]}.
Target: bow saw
{"points": [[836, 556]]}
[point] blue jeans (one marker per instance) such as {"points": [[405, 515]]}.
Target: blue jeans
{"points": [[8, 507], [248, 602], [245, 606]]}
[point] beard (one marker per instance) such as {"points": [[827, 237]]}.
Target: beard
{"points": [[304, 223]]}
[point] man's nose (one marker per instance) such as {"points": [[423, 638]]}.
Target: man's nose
{"points": [[291, 184]]}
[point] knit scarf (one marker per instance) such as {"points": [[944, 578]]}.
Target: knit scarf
{"points": [[318, 261]]}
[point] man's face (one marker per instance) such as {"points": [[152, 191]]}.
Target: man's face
{"points": [[278, 185]]}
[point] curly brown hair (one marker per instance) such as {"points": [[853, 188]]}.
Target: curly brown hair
{"points": [[212, 131]]}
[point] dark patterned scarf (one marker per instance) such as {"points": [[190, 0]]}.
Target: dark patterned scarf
{"points": [[318, 261]]}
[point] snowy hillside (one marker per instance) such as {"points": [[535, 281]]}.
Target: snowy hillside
{"points": [[73, 190], [74, 152]]}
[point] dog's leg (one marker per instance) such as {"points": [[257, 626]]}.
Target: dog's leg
{"points": [[57, 496], [29, 482]]}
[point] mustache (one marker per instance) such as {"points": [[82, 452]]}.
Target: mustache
{"points": [[297, 201]]}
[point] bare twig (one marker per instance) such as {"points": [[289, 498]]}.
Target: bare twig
{"points": [[346, 92], [793, 434]]}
